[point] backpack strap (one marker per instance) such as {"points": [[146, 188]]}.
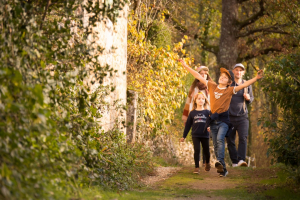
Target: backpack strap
{"points": [[245, 91]]}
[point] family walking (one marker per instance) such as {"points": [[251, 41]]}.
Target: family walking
{"points": [[227, 114]]}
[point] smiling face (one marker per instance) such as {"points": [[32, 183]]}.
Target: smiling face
{"points": [[200, 100], [238, 72], [224, 79]]}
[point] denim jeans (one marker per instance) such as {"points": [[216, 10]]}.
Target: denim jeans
{"points": [[218, 131], [241, 125]]}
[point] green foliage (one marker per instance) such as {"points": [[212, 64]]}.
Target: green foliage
{"points": [[158, 78], [160, 34], [282, 85], [51, 142]]}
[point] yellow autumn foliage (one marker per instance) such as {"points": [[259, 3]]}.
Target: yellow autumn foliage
{"points": [[157, 76]]}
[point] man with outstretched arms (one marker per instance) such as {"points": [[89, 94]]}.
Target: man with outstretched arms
{"points": [[238, 114]]}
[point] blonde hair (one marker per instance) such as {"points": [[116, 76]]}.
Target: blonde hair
{"points": [[206, 103]]}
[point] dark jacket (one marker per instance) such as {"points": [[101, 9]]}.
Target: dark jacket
{"points": [[224, 117], [197, 121], [237, 107]]}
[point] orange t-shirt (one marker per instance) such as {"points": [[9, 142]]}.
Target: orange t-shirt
{"points": [[219, 97]]}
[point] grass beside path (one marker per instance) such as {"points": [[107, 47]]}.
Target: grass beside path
{"points": [[241, 183]]}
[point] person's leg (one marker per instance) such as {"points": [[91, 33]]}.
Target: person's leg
{"points": [[205, 148], [243, 129], [214, 133], [203, 155], [196, 142], [231, 145], [206, 153], [223, 128], [218, 131]]}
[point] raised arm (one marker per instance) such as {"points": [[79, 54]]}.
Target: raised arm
{"points": [[193, 72], [249, 82]]}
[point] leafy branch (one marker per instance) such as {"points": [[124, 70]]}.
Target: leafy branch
{"points": [[253, 18]]}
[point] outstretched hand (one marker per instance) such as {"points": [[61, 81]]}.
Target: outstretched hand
{"points": [[182, 62], [260, 74]]}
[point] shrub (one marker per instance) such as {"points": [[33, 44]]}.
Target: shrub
{"points": [[282, 85], [51, 143]]}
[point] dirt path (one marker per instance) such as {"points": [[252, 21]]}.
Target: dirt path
{"points": [[172, 180]]}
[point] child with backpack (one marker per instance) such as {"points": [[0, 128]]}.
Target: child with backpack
{"points": [[197, 120], [220, 97]]}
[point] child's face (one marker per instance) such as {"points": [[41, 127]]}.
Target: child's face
{"points": [[203, 73], [224, 80], [200, 100]]}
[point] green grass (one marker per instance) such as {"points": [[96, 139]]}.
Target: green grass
{"points": [[249, 184], [237, 193], [282, 193], [280, 178], [184, 177], [143, 193], [159, 161]]}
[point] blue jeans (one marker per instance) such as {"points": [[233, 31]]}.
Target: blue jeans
{"points": [[241, 125], [218, 131]]}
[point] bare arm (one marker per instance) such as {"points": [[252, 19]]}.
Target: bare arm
{"points": [[249, 82], [193, 72]]}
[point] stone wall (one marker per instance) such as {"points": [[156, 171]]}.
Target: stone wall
{"points": [[113, 38]]}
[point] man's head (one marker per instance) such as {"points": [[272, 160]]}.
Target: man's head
{"points": [[225, 77], [238, 71]]}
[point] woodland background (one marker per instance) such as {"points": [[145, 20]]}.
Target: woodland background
{"points": [[52, 145]]}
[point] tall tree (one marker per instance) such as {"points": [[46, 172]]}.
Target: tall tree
{"points": [[249, 29]]}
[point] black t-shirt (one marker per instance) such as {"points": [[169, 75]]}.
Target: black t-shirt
{"points": [[196, 120], [237, 108]]}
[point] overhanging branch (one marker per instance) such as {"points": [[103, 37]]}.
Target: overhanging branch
{"points": [[210, 48], [45, 12], [260, 53], [253, 18], [271, 29], [176, 23], [241, 1], [207, 47]]}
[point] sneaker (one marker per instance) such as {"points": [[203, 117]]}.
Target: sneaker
{"points": [[219, 167], [196, 171], [242, 164], [234, 165], [224, 173], [207, 167]]}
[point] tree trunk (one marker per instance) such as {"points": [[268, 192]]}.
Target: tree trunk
{"points": [[131, 118], [228, 52]]}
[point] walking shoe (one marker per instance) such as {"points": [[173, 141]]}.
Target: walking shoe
{"points": [[219, 167], [224, 174], [242, 164], [234, 165], [207, 167], [196, 171]]}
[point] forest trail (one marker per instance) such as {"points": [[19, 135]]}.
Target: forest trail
{"points": [[240, 183]]}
